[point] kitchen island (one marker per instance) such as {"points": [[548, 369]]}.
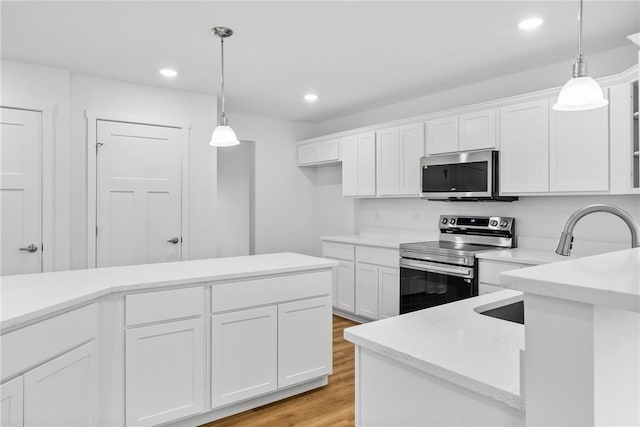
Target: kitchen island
{"points": [[183, 343]]}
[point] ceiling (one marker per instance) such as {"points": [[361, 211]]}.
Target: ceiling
{"points": [[355, 55]]}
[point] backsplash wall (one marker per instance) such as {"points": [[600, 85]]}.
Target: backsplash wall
{"points": [[539, 220]]}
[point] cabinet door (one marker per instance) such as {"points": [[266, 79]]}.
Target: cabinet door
{"points": [[243, 354], [367, 290], [478, 130], [304, 340], [164, 372], [367, 164], [345, 294], [307, 153], [524, 148], [11, 403], [63, 391], [328, 151], [349, 147], [579, 150], [442, 135], [389, 291], [411, 150], [388, 161]]}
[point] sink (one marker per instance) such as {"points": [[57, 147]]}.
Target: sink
{"points": [[513, 312]]}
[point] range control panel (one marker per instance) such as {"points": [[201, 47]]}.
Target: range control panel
{"points": [[476, 222]]}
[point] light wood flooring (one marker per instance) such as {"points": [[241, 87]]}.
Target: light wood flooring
{"points": [[331, 405]]}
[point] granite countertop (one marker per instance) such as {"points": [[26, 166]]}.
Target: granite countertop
{"points": [[29, 296], [611, 279], [456, 343]]}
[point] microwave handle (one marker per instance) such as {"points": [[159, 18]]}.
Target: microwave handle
{"points": [[436, 268]]}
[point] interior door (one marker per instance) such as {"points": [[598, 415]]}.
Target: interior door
{"points": [[139, 200], [20, 191]]}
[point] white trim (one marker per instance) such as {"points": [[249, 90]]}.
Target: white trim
{"points": [[48, 179], [623, 77], [91, 119]]}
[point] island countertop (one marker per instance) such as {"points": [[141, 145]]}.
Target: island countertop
{"points": [[29, 296], [610, 279], [455, 343]]}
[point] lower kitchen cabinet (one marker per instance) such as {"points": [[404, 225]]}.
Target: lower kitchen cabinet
{"points": [[367, 290], [244, 354], [304, 340], [346, 289], [164, 372], [11, 403], [63, 391], [388, 292]]}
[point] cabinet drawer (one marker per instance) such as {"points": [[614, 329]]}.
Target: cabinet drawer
{"points": [[378, 256], [250, 293], [32, 345], [343, 251], [163, 305], [489, 271]]}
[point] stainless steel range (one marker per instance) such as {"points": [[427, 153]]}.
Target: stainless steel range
{"points": [[443, 271]]}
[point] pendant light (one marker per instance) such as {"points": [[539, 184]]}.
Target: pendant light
{"points": [[223, 135], [581, 92]]}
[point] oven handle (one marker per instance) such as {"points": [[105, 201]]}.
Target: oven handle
{"points": [[437, 268]]}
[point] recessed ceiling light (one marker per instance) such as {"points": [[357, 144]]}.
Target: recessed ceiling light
{"points": [[311, 97], [530, 24], [168, 72]]}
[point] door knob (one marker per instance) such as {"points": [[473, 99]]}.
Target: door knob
{"points": [[30, 248], [173, 240]]}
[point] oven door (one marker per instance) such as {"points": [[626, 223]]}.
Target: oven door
{"points": [[425, 284], [458, 175]]}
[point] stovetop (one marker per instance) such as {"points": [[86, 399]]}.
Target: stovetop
{"points": [[446, 246]]}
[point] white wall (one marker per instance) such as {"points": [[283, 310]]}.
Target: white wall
{"points": [[37, 87]]}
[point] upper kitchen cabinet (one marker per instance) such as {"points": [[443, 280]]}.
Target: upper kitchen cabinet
{"points": [[398, 160], [624, 138], [359, 165], [579, 150], [319, 153], [524, 148], [470, 131]]}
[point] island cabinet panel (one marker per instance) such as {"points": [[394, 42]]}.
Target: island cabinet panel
{"points": [[367, 290], [579, 150], [164, 372], [304, 340], [11, 403], [63, 391], [442, 135], [389, 292], [524, 148], [244, 354]]}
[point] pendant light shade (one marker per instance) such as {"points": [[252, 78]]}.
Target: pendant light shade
{"points": [[581, 92], [223, 135]]}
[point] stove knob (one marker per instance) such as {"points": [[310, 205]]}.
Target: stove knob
{"points": [[493, 223], [444, 220], [452, 221], [503, 223]]}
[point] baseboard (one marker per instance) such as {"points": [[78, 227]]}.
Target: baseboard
{"points": [[350, 316]]}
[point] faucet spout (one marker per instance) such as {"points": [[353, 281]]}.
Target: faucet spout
{"points": [[566, 238]]}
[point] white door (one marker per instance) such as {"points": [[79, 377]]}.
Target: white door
{"points": [[412, 149], [367, 290], [478, 130], [304, 340], [11, 399], [579, 150], [20, 191], [63, 392], [388, 158], [244, 354], [442, 135], [349, 149], [367, 164], [164, 372], [524, 147], [389, 292], [346, 292], [139, 197]]}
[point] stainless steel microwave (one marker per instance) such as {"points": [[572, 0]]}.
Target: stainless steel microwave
{"points": [[467, 176]]}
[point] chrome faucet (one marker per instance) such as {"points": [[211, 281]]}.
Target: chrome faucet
{"points": [[566, 238]]}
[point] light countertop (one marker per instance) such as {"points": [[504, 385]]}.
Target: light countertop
{"points": [[455, 343], [524, 256], [29, 296], [383, 241], [611, 279]]}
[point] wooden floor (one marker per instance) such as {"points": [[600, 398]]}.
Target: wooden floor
{"points": [[331, 405]]}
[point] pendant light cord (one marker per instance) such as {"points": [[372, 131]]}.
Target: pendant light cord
{"points": [[223, 117], [580, 30]]}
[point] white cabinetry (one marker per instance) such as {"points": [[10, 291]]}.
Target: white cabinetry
{"points": [[579, 150], [470, 131], [489, 274], [63, 391], [524, 148], [244, 354], [442, 135], [367, 290], [11, 403], [388, 292], [344, 291], [304, 340], [398, 160], [319, 153], [359, 165]]}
